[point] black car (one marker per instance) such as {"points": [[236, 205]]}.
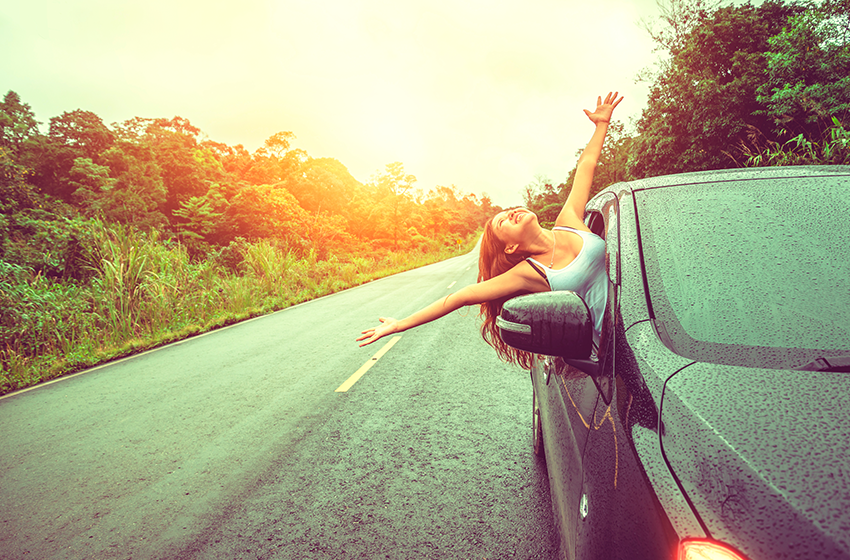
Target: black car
{"points": [[713, 421]]}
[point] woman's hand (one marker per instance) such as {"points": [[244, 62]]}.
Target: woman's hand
{"points": [[388, 326], [604, 109]]}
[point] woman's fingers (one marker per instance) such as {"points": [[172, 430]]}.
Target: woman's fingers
{"points": [[371, 335], [369, 338]]}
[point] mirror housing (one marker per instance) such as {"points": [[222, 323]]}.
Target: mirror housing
{"points": [[550, 323]]}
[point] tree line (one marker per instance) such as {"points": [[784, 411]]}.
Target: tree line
{"points": [[163, 174], [118, 238], [735, 86]]}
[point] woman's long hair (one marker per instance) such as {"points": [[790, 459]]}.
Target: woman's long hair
{"points": [[493, 261]]}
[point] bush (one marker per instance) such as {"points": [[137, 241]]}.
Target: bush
{"points": [[50, 245], [142, 291]]}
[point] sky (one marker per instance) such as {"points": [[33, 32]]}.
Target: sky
{"points": [[482, 95]]}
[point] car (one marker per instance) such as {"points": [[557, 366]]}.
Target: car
{"points": [[713, 419]]}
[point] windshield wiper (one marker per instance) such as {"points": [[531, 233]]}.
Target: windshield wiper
{"points": [[828, 363]]}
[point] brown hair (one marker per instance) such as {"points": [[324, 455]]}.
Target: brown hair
{"points": [[493, 261]]}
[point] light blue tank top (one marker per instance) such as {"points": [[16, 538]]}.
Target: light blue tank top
{"points": [[585, 275]]}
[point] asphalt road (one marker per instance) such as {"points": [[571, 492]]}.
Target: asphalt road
{"points": [[235, 444]]}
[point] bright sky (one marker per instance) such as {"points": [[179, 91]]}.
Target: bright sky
{"points": [[483, 95]]}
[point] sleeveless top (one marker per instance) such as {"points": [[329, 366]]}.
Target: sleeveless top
{"points": [[585, 275]]}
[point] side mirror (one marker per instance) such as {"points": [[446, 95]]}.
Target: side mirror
{"points": [[550, 323]]}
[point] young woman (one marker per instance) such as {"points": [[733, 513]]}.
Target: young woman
{"points": [[518, 257]]}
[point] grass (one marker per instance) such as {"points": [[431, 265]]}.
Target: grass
{"points": [[143, 293]]}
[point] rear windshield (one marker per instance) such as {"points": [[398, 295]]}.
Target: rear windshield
{"points": [[753, 273]]}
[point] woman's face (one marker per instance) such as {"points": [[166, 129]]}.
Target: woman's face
{"points": [[512, 226]]}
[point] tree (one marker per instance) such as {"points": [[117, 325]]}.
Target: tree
{"points": [[809, 71], [91, 182], [200, 218], [174, 144], [138, 195], [541, 193], [17, 123], [703, 104], [15, 193], [278, 144], [274, 162], [677, 19], [324, 184], [391, 189], [205, 218], [81, 131], [72, 135], [615, 159], [264, 211]]}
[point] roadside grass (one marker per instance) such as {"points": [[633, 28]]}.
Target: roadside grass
{"points": [[144, 293]]}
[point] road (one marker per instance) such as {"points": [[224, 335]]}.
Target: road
{"points": [[235, 444]]}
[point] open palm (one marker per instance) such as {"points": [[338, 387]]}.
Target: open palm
{"points": [[604, 109]]}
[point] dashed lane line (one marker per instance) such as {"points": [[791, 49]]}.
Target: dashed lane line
{"points": [[365, 367]]}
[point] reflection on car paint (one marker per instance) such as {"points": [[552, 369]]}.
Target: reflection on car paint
{"points": [[606, 416]]}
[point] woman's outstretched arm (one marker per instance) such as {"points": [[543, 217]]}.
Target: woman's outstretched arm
{"points": [[514, 281], [580, 192]]}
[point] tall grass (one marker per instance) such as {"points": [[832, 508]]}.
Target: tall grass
{"points": [[144, 292], [834, 149]]}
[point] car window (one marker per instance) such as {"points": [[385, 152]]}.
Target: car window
{"points": [[603, 220], [754, 272]]}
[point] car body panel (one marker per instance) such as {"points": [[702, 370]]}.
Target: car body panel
{"points": [[566, 397], [763, 455]]}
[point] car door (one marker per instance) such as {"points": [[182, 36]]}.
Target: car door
{"points": [[567, 398], [618, 513]]}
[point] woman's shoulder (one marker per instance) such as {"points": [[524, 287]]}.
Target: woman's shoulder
{"points": [[531, 271], [571, 221]]}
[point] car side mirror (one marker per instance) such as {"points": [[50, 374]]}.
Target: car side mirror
{"points": [[551, 323]]}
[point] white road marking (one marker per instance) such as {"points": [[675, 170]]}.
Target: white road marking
{"points": [[365, 367], [452, 284]]}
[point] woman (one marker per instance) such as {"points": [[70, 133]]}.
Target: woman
{"points": [[518, 257]]}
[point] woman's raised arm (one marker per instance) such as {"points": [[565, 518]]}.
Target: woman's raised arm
{"points": [[580, 192]]}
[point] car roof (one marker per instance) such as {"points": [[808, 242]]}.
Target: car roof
{"points": [[732, 175]]}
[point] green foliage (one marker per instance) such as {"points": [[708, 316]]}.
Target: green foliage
{"points": [[82, 132], [834, 149], [157, 173], [51, 245], [391, 188], [91, 183], [114, 239], [146, 292], [740, 85], [809, 70], [123, 261], [541, 193], [15, 193], [549, 213], [17, 123], [37, 314], [200, 215], [266, 211], [704, 102], [139, 193]]}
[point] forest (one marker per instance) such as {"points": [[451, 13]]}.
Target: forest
{"points": [[117, 238], [734, 86]]}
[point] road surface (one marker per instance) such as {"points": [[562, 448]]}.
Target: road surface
{"points": [[236, 444]]}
